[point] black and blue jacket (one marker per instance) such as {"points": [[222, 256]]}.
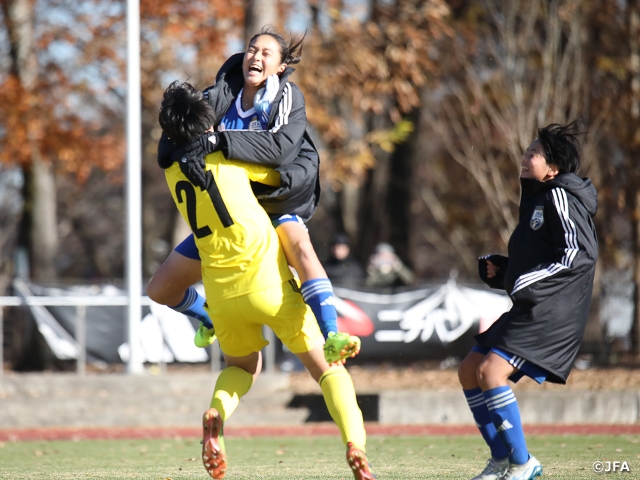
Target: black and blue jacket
{"points": [[286, 145], [548, 274]]}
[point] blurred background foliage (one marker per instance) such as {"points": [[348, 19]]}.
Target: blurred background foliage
{"points": [[421, 110]]}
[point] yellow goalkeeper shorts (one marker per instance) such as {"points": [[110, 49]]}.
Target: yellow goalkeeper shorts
{"points": [[238, 321]]}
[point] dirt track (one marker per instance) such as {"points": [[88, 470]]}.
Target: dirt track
{"points": [[316, 429], [368, 379]]}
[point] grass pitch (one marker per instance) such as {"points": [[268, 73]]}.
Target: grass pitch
{"points": [[563, 457]]}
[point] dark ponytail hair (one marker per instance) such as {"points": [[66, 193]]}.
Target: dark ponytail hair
{"points": [[561, 145], [289, 53]]}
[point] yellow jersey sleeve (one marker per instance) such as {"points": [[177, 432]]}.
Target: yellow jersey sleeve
{"points": [[259, 173]]}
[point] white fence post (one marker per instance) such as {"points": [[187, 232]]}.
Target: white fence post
{"points": [[81, 338], [1, 340], [270, 350], [214, 351]]}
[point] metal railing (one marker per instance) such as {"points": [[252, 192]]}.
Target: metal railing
{"points": [[82, 302]]}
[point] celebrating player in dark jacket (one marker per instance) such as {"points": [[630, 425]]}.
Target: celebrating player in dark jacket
{"points": [[549, 277], [262, 119]]}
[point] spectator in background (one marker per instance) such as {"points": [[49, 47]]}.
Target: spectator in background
{"points": [[385, 269], [343, 268]]}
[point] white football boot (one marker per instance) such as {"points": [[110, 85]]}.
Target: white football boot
{"points": [[528, 471], [494, 470]]}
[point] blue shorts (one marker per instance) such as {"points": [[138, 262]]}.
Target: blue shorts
{"points": [[529, 369], [277, 220], [188, 247]]}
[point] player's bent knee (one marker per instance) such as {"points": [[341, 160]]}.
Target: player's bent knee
{"points": [[467, 374], [165, 293], [483, 380], [156, 292], [468, 370], [252, 363], [488, 378]]}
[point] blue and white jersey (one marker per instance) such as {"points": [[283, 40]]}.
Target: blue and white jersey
{"points": [[238, 119]]}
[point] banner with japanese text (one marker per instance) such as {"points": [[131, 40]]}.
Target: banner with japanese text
{"points": [[431, 323]]}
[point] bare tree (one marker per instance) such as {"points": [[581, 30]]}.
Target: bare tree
{"points": [[39, 229], [633, 190], [528, 70], [363, 79]]}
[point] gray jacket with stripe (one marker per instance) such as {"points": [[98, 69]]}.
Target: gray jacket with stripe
{"points": [[548, 275]]}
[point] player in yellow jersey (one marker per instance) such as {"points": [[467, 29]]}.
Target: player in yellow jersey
{"points": [[248, 284], [260, 118]]}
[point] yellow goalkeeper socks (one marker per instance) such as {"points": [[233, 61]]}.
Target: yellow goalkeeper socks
{"points": [[340, 397], [232, 384]]}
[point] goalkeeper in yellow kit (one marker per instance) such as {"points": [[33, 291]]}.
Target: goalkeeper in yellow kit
{"points": [[248, 284]]}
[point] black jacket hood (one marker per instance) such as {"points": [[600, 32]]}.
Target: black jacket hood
{"points": [[581, 188]]}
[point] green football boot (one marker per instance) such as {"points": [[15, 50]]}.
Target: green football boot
{"points": [[340, 346], [204, 336]]}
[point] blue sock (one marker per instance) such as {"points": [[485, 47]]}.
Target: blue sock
{"points": [[505, 414], [481, 415], [318, 294], [192, 305]]}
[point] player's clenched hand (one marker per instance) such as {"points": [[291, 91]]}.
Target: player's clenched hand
{"points": [[492, 269]]}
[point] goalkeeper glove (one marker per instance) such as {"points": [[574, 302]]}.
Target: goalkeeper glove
{"points": [[190, 158]]}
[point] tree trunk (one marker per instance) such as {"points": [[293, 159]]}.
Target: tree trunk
{"points": [[399, 193], [258, 14], [40, 220], [349, 208], [375, 216], [40, 198], [635, 227], [634, 149]]}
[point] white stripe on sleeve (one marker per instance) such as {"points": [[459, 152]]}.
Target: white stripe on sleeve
{"points": [[571, 238], [284, 108]]}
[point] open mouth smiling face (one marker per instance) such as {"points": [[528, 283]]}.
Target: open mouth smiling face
{"points": [[254, 70], [261, 60]]}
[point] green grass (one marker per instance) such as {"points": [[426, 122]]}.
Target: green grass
{"points": [[563, 457]]}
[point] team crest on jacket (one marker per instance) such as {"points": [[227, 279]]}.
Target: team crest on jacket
{"points": [[537, 219]]}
